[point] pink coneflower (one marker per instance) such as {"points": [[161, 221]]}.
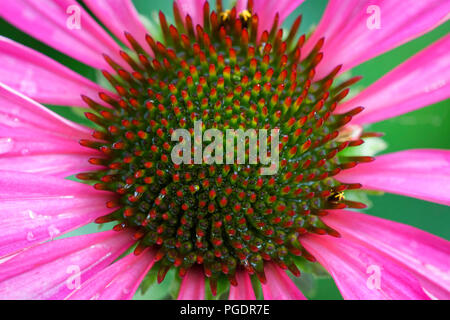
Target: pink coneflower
{"points": [[233, 69]]}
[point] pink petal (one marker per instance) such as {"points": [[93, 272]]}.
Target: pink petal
{"points": [[36, 208], [18, 110], [58, 165], [14, 144], [119, 16], [193, 8], [42, 155], [423, 254], [51, 270], [362, 273], [421, 81], [193, 285], [422, 174], [41, 78], [350, 41], [119, 281], [279, 286], [49, 21], [34, 139], [267, 9], [244, 289]]}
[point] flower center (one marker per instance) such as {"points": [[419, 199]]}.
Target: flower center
{"points": [[229, 75]]}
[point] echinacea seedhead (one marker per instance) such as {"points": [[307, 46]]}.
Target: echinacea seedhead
{"points": [[229, 75]]}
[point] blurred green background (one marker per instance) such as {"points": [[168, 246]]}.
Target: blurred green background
{"points": [[425, 128]]}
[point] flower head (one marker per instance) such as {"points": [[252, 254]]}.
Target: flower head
{"points": [[223, 69]]}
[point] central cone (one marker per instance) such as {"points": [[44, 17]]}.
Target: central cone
{"points": [[229, 75]]}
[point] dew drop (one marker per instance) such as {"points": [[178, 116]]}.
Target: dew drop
{"points": [[6, 145], [28, 87], [435, 86], [30, 236], [53, 231], [96, 296], [31, 214]]}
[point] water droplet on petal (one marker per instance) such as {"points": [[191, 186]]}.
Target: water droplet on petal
{"points": [[30, 236], [435, 86], [96, 296], [53, 231], [6, 145], [28, 87], [10, 121], [30, 213]]}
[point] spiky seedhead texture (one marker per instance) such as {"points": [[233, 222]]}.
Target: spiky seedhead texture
{"points": [[230, 76]]}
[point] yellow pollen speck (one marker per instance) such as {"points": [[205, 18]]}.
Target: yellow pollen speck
{"points": [[245, 15], [336, 197], [225, 15]]}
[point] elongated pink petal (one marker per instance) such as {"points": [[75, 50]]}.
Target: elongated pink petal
{"points": [[279, 286], [267, 9], [64, 25], [41, 78], [119, 281], [244, 289], [18, 110], [422, 174], [352, 36], [13, 143], [54, 269], [362, 273], [421, 81], [423, 254], [193, 285], [58, 165], [119, 16], [193, 8], [36, 208], [34, 139]]}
